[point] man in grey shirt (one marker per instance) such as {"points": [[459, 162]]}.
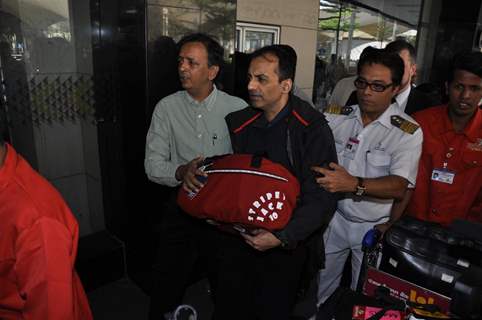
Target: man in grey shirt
{"points": [[186, 127]]}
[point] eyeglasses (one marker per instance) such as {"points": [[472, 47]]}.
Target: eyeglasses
{"points": [[377, 87]]}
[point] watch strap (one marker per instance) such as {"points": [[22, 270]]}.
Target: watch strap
{"points": [[360, 188]]}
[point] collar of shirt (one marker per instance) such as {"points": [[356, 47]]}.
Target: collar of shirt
{"points": [[402, 97], [472, 131], [384, 119], [263, 123], [208, 102], [474, 128], [8, 168]]}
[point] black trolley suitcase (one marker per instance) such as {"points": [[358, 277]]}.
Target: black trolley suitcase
{"points": [[438, 259], [427, 255]]}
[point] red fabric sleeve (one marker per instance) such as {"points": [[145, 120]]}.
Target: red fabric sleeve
{"points": [[45, 271], [420, 202]]}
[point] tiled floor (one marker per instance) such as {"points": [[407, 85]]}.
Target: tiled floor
{"points": [[123, 300]]}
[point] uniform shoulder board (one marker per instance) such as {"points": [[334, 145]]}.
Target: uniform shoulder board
{"points": [[403, 124], [334, 109]]}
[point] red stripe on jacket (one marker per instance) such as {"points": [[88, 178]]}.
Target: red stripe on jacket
{"points": [[300, 119], [241, 127]]}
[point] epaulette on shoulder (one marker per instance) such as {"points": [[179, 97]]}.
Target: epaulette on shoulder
{"points": [[404, 124], [335, 109]]}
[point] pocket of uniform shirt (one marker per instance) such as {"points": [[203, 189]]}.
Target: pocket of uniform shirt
{"points": [[472, 159], [378, 164]]}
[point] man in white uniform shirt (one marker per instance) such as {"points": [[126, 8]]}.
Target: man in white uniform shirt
{"points": [[186, 126], [378, 149], [408, 98], [344, 92]]}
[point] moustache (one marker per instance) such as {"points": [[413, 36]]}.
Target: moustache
{"points": [[254, 94]]}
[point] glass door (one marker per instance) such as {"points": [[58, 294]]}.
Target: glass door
{"points": [[48, 98]]}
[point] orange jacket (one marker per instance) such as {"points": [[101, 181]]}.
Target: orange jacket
{"points": [[38, 246]]}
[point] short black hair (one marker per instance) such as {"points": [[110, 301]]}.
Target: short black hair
{"points": [[292, 54], [214, 49], [286, 63], [399, 45], [388, 59], [468, 61], [366, 51]]}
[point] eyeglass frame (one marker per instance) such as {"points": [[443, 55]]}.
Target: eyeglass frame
{"points": [[371, 84]]}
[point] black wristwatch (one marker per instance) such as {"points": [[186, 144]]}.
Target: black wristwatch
{"points": [[360, 188]]}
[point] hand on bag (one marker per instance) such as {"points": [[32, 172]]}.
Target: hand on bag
{"points": [[335, 178], [261, 240], [188, 172]]}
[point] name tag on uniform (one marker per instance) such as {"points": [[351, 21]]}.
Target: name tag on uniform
{"points": [[350, 148], [443, 175]]}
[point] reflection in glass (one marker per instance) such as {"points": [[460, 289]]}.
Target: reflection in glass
{"points": [[257, 39], [171, 22], [251, 36], [59, 29], [48, 94], [167, 22], [344, 30], [176, 19]]}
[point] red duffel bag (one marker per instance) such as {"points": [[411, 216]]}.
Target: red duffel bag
{"points": [[245, 190]]}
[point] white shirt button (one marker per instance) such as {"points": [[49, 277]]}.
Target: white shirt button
{"points": [[199, 116]]}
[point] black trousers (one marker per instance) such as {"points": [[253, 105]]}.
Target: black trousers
{"points": [[187, 252], [256, 285]]}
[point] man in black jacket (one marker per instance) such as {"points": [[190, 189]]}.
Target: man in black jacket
{"points": [[260, 273], [409, 99]]}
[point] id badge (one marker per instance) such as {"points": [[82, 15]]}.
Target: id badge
{"points": [[351, 147], [443, 175]]}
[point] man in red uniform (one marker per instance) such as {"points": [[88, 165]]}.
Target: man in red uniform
{"points": [[38, 246], [449, 181]]}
